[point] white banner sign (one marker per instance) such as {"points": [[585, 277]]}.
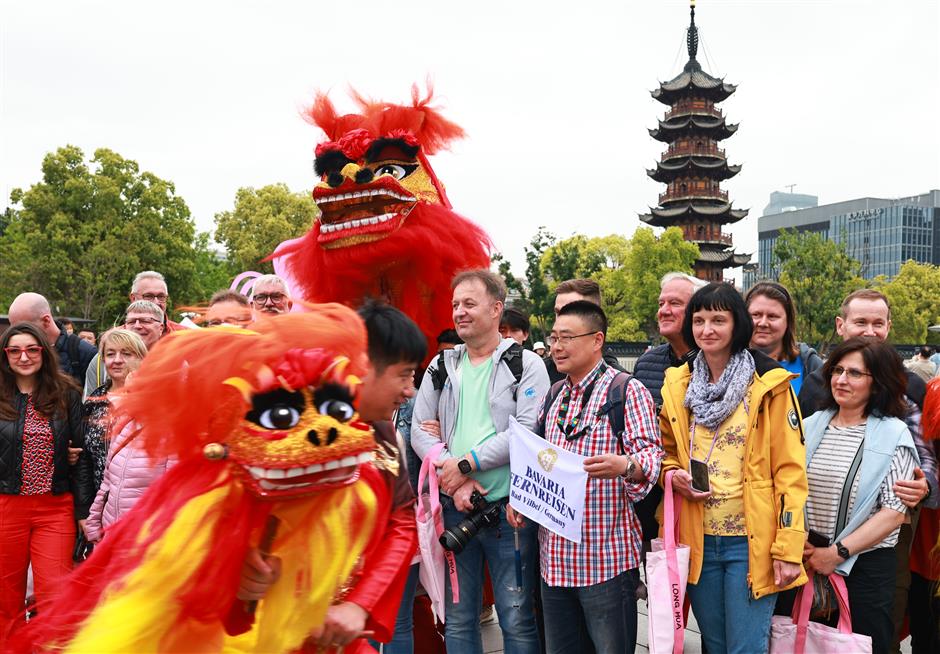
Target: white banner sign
{"points": [[547, 483]]}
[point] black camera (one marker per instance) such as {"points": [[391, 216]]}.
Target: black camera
{"points": [[483, 514]]}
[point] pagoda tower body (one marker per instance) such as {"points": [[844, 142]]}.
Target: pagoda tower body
{"points": [[693, 166]]}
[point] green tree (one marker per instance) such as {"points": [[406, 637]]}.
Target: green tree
{"points": [[213, 270], [81, 233], [648, 258], [913, 296], [261, 219], [541, 300], [819, 274]]}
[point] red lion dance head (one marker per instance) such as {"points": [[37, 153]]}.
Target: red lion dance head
{"points": [[262, 423], [386, 228]]}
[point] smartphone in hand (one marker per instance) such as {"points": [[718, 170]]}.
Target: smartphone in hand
{"points": [[817, 539], [699, 471]]}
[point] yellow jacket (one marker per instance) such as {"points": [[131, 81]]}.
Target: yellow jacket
{"points": [[775, 485]]}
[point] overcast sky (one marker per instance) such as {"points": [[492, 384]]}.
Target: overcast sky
{"points": [[839, 98]]}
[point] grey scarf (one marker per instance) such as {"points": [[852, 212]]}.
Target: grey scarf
{"points": [[711, 404]]}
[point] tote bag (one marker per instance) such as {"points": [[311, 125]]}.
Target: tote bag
{"points": [[797, 635], [667, 571], [435, 560]]}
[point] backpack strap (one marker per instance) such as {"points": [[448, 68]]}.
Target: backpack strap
{"points": [[547, 404], [75, 364], [513, 359], [614, 406], [439, 374]]}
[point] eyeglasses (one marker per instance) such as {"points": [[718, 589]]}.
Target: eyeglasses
{"points": [[130, 322], [565, 340], [262, 298], [851, 373], [155, 297], [32, 351]]}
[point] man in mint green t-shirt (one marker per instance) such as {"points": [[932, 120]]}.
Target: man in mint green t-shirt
{"points": [[466, 405]]}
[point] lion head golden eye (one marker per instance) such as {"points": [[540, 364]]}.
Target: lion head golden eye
{"points": [[337, 409], [279, 417], [394, 170]]}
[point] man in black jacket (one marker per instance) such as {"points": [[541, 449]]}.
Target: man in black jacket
{"points": [[74, 353], [567, 292]]}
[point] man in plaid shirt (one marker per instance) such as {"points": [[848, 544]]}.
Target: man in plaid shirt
{"points": [[589, 587]]}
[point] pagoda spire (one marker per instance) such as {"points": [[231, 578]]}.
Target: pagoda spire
{"points": [[691, 38], [693, 166]]}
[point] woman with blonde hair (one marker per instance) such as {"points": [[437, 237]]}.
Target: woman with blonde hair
{"points": [[121, 351]]}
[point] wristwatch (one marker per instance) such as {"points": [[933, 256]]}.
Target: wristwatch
{"points": [[842, 550], [464, 467], [631, 468]]}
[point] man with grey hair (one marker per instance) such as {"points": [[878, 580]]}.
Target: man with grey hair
{"points": [[151, 286], [144, 318], [676, 290], [74, 353], [270, 297]]}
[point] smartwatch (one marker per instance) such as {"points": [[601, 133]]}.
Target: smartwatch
{"points": [[464, 467], [842, 550]]}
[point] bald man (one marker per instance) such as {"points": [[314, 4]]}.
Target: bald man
{"points": [[74, 353]]}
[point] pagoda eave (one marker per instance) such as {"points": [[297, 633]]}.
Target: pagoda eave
{"points": [[673, 215], [726, 258], [697, 83], [668, 171], [714, 128]]}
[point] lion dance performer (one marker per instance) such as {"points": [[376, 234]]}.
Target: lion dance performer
{"points": [[272, 454], [386, 228]]}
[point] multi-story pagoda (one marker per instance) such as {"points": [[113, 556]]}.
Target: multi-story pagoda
{"points": [[693, 166]]}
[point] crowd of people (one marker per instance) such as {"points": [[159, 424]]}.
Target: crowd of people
{"points": [[790, 467]]}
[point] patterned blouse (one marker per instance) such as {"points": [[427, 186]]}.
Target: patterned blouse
{"points": [[724, 509], [38, 450], [96, 412]]}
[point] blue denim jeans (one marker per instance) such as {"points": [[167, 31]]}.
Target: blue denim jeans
{"points": [[731, 620], [605, 613], [403, 640], [514, 606]]}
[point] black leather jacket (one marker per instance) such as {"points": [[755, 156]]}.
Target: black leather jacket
{"points": [[76, 479]]}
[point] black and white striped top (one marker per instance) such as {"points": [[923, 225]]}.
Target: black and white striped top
{"points": [[828, 469]]}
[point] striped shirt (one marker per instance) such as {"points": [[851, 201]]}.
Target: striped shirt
{"points": [[827, 472], [610, 532]]}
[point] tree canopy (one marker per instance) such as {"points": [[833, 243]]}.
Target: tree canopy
{"points": [[81, 233], [913, 297], [261, 219], [819, 274]]}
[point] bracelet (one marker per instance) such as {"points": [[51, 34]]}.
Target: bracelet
{"points": [[476, 461]]}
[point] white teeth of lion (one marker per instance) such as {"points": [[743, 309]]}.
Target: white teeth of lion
{"points": [[275, 473], [295, 472], [354, 223], [365, 457], [348, 461], [256, 472], [316, 467], [331, 465]]}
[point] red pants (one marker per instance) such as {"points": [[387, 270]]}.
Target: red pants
{"points": [[37, 529]]}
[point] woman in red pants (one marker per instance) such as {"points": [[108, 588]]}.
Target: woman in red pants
{"points": [[41, 495]]}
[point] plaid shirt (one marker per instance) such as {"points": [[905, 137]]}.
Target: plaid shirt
{"points": [[610, 532]]}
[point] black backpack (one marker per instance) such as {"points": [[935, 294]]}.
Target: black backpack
{"points": [[512, 357], [75, 358]]}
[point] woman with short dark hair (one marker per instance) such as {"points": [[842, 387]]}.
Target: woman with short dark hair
{"points": [[857, 447], [732, 437], [41, 495]]}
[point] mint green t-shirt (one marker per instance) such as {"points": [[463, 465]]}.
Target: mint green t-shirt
{"points": [[475, 424]]}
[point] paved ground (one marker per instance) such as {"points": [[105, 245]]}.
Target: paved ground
{"points": [[493, 641]]}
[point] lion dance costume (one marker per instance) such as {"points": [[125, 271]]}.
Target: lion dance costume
{"points": [[386, 228], [264, 424]]}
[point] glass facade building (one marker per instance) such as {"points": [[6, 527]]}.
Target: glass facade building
{"points": [[881, 234]]}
